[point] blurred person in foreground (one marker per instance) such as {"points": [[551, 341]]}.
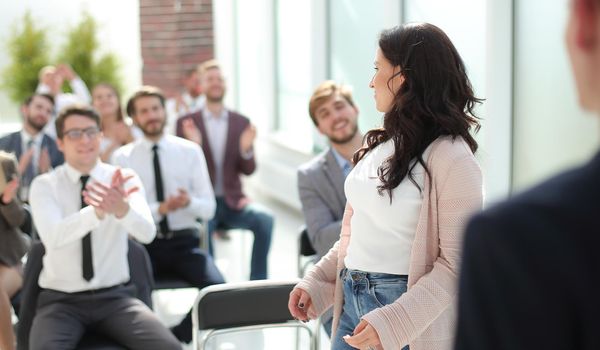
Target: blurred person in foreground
{"points": [[529, 278]]}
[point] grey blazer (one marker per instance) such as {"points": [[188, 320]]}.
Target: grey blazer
{"points": [[321, 189]]}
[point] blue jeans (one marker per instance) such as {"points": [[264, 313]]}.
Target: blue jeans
{"points": [[252, 217], [364, 292]]}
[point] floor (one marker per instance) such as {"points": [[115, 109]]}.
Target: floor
{"points": [[232, 257]]}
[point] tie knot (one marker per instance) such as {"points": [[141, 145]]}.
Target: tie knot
{"points": [[29, 143], [84, 179], [155, 148]]}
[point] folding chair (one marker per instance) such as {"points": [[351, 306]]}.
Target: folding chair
{"points": [[305, 250], [236, 307]]}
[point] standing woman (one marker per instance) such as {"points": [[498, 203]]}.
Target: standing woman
{"points": [[392, 276], [116, 129], [12, 248]]}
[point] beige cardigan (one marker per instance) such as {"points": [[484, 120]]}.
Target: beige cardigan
{"points": [[423, 317]]}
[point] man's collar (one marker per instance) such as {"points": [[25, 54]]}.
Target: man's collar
{"points": [[148, 144], [209, 115], [74, 175], [342, 162], [37, 139]]}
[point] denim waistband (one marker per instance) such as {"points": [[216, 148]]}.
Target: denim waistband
{"points": [[358, 275]]}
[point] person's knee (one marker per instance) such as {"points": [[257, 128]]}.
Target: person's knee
{"points": [[265, 222], [10, 281]]}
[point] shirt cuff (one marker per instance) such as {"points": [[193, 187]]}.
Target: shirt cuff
{"points": [[88, 215], [127, 217]]}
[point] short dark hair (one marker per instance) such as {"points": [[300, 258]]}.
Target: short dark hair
{"points": [[76, 109], [145, 91], [29, 99]]}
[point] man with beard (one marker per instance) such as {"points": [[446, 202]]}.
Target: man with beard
{"points": [[227, 139], [37, 152], [321, 181], [178, 190]]}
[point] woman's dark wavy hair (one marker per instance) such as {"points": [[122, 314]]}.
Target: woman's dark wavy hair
{"points": [[435, 99]]}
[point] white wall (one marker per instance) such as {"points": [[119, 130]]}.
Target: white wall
{"points": [[551, 132], [118, 33]]}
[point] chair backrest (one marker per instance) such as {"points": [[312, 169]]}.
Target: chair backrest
{"points": [[306, 248], [231, 305], [236, 305], [141, 277]]}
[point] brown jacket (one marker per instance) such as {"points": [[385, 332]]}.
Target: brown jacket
{"points": [[234, 164]]}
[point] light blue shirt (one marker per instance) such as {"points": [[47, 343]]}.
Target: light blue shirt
{"points": [[344, 164]]}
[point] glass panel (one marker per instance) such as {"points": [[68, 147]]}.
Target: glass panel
{"points": [[294, 72], [355, 27]]}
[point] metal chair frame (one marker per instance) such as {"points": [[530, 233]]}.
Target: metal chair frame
{"points": [[245, 292]]}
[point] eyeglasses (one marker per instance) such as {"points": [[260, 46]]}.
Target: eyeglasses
{"points": [[76, 134]]}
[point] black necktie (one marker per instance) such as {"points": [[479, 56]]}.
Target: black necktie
{"points": [[86, 242], [160, 195]]}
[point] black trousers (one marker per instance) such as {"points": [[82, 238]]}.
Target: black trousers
{"points": [[63, 318], [181, 257]]}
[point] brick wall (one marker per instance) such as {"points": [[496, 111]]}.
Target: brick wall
{"points": [[176, 35]]}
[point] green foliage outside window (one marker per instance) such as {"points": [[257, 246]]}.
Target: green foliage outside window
{"points": [[81, 52], [29, 51]]}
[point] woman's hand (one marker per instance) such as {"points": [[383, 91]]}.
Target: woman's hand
{"points": [[10, 191], [300, 305], [191, 132], [364, 337]]}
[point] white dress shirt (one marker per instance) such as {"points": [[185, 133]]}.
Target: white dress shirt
{"points": [[182, 166], [55, 200]]}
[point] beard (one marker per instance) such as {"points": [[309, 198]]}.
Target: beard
{"points": [[151, 131], [344, 139], [214, 95], [37, 126]]}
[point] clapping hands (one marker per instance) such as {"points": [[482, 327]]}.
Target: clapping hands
{"points": [[109, 199]]}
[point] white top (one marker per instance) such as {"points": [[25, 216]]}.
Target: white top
{"points": [[382, 233], [55, 200], [182, 165], [80, 95]]}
